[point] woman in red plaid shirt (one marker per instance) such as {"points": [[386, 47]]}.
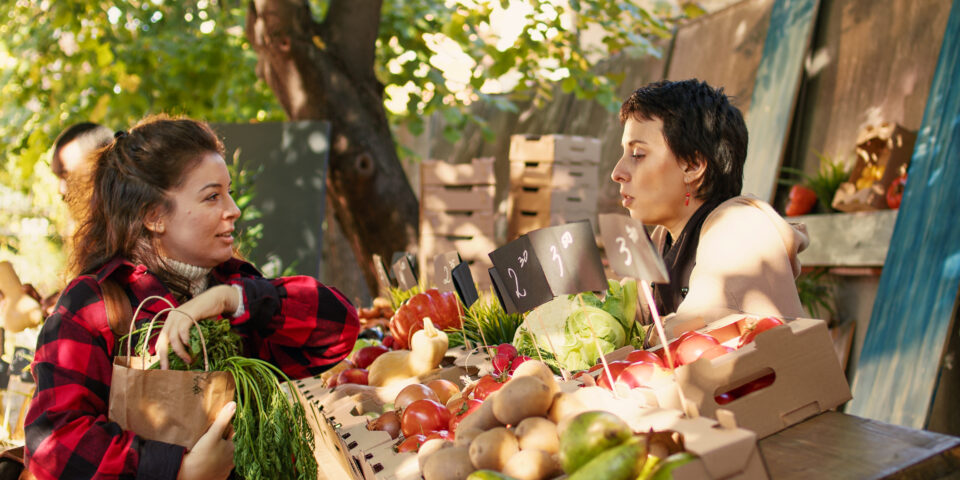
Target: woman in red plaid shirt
{"points": [[160, 221]]}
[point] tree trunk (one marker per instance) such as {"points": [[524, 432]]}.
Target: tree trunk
{"points": [[325, 71]]}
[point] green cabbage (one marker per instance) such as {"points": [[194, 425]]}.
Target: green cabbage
{"points": [[564, 326]]}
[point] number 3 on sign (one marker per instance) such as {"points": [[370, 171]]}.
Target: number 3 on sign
{"points": [[516, 281], [623, 249], [556, 258]]}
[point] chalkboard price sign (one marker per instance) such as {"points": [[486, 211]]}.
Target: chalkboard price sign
{"points": [[500, 289], [403, 270], [443, 266], [570, 258], [629, 249], [521, 274], [464, 284]]}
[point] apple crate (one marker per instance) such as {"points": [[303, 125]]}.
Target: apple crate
{"points": [[571, 176], [469, 198], [462, 224], [478, 171], [531, 174], [786, 375], [554, 148]]}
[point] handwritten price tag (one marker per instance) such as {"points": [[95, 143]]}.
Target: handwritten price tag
{"points": [[500, 289], [629, 249], [570, 258], [382, 278], [521, 275], [443, 266]]}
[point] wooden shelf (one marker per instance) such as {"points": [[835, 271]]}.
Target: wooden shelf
{"points": [[847, 239]]}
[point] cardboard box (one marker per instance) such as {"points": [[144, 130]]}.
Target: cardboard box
{"points": [[465, 224], [478, 172], [883, 154], [531, 174], [477, 198], [808, 379], [554, 148]]}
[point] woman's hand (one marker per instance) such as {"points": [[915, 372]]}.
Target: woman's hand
{"points": [[175, 333], [212, 456]]}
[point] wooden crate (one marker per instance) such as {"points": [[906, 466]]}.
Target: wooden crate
{"points": [[475, 198], [554, 148], [478, 172]]}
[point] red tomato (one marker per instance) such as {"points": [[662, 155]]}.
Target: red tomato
{"points": [[637, 374], [366, 355], [693, 346], [424, 416], [459, 409], [644, 356], [758, 384], [353, 375], [615, 369], [802, 200], [489, 384], [411, 443], [716, 351], [762, 325], [442, 434]]}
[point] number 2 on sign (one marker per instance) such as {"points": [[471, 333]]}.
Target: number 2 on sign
{"points": [[623, 249], [556, 258], [516, 281]]}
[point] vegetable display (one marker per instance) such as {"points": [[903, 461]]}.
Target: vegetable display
{"points": [[427, 347]]}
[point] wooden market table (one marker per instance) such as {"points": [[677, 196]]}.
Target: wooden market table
{"points": [[836, 445]]}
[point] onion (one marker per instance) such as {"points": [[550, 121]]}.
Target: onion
{"points": [[412, 393], [444, 389], [387, 422]]}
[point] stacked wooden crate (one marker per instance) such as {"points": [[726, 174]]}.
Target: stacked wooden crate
{"points": [[457, 213], [553, 180]]}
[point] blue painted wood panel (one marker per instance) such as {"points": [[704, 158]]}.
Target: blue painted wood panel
{"points": [[775, 93], [897, 374]]}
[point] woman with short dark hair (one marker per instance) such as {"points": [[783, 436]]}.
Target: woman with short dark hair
{"points": [[684, 147]]}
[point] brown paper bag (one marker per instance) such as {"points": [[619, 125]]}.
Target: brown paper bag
{"points": [[166, 405]]}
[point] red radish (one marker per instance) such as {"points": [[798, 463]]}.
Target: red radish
{"points": [[693, 346], [501, 362], [366, 355], [516, 363], [353, 375], [644, 356], [507, 349]]}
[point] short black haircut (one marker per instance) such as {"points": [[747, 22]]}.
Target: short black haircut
{"points": [[92, 134], [698, 122]]}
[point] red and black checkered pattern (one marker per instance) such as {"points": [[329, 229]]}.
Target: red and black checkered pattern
{"points": [[296, 323]]}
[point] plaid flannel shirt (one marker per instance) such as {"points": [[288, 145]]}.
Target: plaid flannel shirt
{"points": [[296, 323]]}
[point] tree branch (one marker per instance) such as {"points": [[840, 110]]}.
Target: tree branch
{"points": [[350, 31]]}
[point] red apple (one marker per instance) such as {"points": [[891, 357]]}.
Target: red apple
{"points": [[693, 346], [366, 355], [644, 356], [353, 375], [716, 351], [615, 369], [637, 374]]}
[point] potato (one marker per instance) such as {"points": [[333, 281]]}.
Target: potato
{"points": [[536, 433], [465, 436], [534, 368], [566, 405], [521, 398], [451, 463], [532, 465], [491, 449], [481, 419], [429, 448]]}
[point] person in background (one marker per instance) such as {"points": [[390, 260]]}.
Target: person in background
{"points": [[684, 148], [160, 222], [72, 161]]}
